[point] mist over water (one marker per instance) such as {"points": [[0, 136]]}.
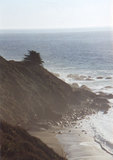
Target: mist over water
{"points": [[89, 54]]}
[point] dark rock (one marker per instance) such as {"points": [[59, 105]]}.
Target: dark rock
{"points": [[99, 77], [108, 87], [105, 112], [59, 132], [104, 95], [108, 77], [86, 88], [74, 86], [89, 79], [76, 77]]}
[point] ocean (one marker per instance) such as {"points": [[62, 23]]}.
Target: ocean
{"points": [[79, 57]]}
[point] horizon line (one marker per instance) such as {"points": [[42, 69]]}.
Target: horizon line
{"points": [[90, 27]]}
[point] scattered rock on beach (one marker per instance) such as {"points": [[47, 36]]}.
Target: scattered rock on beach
{"points": [[99, 77], [59, 132], [42, 129], [108, 77], [85, 87], [108, 87], [104, 95], [82, 76], [74, 86], [76, 77], [89, 79], [105, 112]]}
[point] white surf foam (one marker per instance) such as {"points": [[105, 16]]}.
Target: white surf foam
{"points": [[100, 126]]}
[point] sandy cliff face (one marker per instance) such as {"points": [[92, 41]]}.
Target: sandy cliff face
{"points": [[29, 93], [16, 144]]}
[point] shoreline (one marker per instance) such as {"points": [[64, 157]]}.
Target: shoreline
{"points": [[73, 144], [103, 148], [79, 145]]}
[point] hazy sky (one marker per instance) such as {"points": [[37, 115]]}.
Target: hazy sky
{"points": [[30, 14]]}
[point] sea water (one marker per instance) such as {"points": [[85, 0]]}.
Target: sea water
{"points": [[86, 54]]}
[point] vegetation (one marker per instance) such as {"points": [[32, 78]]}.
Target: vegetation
{"points": [[33, 57], [17, 144]]}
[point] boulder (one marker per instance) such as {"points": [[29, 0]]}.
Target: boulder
{"points": [[76, 77], [85, 88], [108, 77], [74, 86], [99, 77]]}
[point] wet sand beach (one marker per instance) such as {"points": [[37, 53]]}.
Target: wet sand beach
{"points": [[74, 144], [79, 146]]}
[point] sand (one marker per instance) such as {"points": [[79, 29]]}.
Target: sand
{"points": [[80, 146], [72, 144], [49, 138]]}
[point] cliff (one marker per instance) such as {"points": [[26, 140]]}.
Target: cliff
{"points": [[29, 94]]}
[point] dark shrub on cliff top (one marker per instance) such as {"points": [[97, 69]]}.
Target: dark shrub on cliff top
{"points": [[33, 57]]}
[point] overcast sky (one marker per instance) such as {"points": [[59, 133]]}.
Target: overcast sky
{"points": [[39, 14]]}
